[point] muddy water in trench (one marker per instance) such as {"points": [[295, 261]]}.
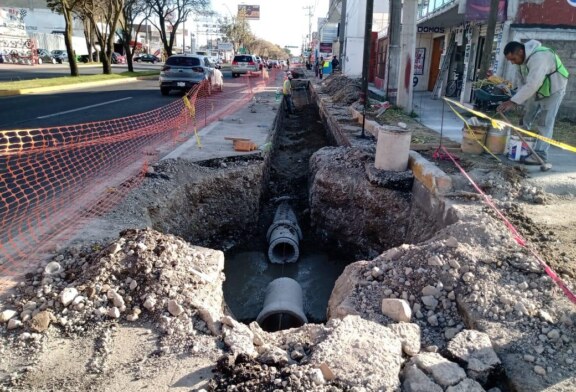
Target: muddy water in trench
{"points": [[248, 270]]}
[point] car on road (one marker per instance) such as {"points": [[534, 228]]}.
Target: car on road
{"points": [[273, 64], [44, 56], [244, 64], [183, 71], [60, 56], [117, 58], [146, 58]]}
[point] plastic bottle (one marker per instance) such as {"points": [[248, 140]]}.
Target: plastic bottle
{"points": [[277, 94]]}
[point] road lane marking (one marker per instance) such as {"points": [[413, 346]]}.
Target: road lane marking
{"points": [[85, 107]]}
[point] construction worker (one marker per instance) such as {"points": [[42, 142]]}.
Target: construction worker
{"points": [[541, 78], [287, 92]]}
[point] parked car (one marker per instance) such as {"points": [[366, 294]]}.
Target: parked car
{"points": [[60, 56], [147, 58], [243, 64], [44, 56], [273, 64], [260, 62], [182, 71]]}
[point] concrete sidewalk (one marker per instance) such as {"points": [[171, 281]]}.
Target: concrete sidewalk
{"points": [[437, 115]]}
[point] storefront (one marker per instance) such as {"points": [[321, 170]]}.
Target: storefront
{"points": [[449, 51]]}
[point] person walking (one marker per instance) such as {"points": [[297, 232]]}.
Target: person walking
{"points": [[316, 67], [287, 92], [321, 67], [541, 79], [335, 63]]}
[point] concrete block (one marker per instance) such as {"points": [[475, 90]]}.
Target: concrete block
{"points": [[434, 179]]}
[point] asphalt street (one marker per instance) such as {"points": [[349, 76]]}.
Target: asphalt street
{"points": [[14, 72], [81, 105]]}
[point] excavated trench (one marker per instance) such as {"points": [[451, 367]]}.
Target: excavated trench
{"points": [[341, 216]]}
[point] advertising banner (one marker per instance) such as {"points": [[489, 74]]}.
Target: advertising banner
{"points": [[325, 47], [478, 10], [251, 12]]}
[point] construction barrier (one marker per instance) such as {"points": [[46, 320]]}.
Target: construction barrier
{"points": [[53, 180]]}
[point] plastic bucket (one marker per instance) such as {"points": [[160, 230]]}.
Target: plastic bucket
{"points": [[470, 138], [496, 140], [518, 149]]}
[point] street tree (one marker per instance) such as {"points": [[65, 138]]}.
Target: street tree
{"points": [[133, 10], [66, 8], [171, 14], [104, 16], [236, 30]]}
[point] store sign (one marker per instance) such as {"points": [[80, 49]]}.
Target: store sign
{"points": [[426, 29], [227, 46], [478, 10]]}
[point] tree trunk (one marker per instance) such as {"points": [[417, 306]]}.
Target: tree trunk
{"points": [[487, 50], [129, 53], [68, 41]]}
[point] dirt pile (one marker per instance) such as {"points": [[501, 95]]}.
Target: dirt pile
{"points": [[343, 90]]}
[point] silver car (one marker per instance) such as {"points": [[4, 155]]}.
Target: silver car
{"points": [[243, 64], [183, 71]]}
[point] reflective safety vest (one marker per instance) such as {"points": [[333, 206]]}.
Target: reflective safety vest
{"points": [[287, 87], [546, 87]]}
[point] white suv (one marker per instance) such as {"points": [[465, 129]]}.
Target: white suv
{"points": [[182, 71], [243, 64]]}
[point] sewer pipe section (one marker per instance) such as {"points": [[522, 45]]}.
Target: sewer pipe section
{"points": [[283, 306], [284, 236]]}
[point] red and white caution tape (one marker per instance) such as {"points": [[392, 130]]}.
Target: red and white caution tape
{"points": [[517, 236]]}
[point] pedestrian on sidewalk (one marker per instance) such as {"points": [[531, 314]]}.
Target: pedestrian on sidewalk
{"points": [[316, 67], [287, 92], [541, 79], [321, 67], [335, 63]]}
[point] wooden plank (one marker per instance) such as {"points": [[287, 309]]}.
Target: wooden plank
{"points": [[235, 138]]}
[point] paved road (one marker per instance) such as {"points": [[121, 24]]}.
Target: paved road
{"points": [[82, 105], [13, 72]]}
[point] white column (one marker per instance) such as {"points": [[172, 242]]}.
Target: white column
{"points": [[407, 50]]}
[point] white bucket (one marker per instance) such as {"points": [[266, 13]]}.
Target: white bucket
{"points": [[517, 149]]}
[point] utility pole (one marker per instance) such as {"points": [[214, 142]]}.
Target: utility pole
{"points": [[366, 57], [394, 49], [407, 51], [310, 14], [487, 49], [342, 33]]}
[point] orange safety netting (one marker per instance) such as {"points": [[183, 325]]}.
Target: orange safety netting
{"points": [[53, 179]]}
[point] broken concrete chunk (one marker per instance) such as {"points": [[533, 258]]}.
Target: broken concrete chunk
{"points": [[41, 321], [467, 385], [409, 335], [443, 371], [415, 380], [475, 349], [396, 309]]}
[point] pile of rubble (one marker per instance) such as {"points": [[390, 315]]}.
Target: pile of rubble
{"points": [[143, 273], [343, 90]]}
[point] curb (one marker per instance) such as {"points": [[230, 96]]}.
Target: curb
{"points": [[72, 86]]}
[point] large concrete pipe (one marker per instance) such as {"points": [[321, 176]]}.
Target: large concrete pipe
{"points": [[283, 306], [284, 236]]}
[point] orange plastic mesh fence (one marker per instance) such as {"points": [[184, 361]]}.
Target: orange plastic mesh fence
{"points": [[52, 180]]}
